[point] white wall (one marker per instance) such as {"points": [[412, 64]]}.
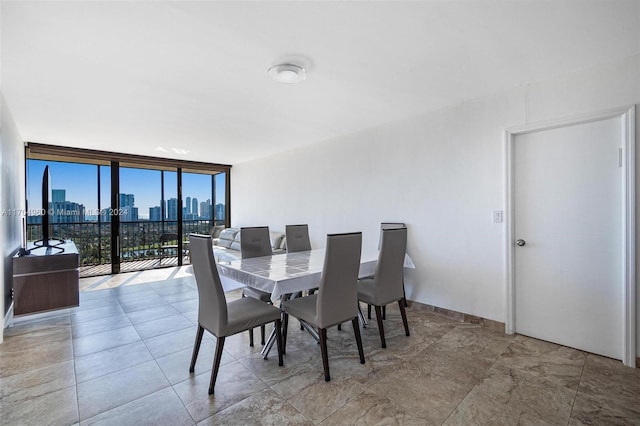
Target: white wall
{"points": [[441, 173], [12, 199]]}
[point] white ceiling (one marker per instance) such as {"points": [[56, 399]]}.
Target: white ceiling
{"points": [[150, 77]]}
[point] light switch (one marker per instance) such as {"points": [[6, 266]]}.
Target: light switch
{"points": [[497, 216]]}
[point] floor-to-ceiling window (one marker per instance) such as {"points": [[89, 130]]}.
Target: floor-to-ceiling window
{"points": [[104, 220], [198, 201], [221, 208], [118, 209], [139, 200]]}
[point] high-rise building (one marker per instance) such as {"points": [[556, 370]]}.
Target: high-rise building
{"points": [[67, 212], [205, 209], [194, 208], [188, 205], [63, 211], [128, 211], [155, 213], [58, 195], [172, 209], [127, 199], [104, 215], [164, 209], [219, 212]]}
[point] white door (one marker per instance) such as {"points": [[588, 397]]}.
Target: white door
{"points": [[568, 212]]}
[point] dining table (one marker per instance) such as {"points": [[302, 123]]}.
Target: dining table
{"points": [[289, 273]]}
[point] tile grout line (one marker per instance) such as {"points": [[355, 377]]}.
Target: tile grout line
{"points": [[136, 399], [577, 388], [476, 385], [75, 375], [267, 386], [341, 407], [180, 399], [459, 404], [243, 399], [74, 369], [171, 385]]}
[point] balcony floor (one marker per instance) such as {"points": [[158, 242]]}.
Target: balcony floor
{"points": [[132, 266]]}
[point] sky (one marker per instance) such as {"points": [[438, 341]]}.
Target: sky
{"points": [[81, 181]]}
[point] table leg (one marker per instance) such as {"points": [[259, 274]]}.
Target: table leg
{"points": [[272, 336], [268, 344], [312, 331], [363, 321]]}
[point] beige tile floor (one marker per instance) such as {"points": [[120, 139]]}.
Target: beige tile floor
{"points": [[122, 358]]}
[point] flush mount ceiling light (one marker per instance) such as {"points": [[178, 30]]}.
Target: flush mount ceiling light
{"points": [[287, 73]]}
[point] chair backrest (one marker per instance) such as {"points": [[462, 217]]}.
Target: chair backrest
{"points": [[212, 303], [389, 225], [338, 291], [255, 242], [389, 269], [297, 238]]}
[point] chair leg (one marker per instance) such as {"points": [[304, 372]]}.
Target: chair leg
{"points": [[262, 335], [325, 357], [356, 331], [196, 348], [404, 295], [380, 326], [250, 331], [368, 311], [384, 312], [285, 327], [216, 364], [278, 326], [402, 302], [340, 327]]}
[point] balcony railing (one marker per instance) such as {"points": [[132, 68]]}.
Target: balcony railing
{"points": [[139, 240]]}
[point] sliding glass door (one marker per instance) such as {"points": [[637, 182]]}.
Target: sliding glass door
{"points": [[139, 198]]}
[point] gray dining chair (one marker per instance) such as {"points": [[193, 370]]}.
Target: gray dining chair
{"points": [[388, 225], [216, 315], [386, 286], [255, 242], [297, 238], [336, 299]]}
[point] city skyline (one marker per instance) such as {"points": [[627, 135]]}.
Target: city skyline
{"points": [[67, 211], [78, 183]]}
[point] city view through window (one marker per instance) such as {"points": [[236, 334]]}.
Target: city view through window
{"points": [[148, 209]]}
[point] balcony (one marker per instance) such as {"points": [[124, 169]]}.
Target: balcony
{"points": [[139, 243]]}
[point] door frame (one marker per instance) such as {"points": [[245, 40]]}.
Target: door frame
{"points": [[627, 115]]}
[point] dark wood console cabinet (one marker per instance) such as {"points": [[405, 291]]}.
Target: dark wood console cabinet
{"points": [[46, 280]]}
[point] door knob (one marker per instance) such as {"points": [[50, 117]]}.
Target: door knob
{"points": [[520, 242]]}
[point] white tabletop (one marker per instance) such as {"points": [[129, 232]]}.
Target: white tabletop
{"points": [[286, 273]]}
